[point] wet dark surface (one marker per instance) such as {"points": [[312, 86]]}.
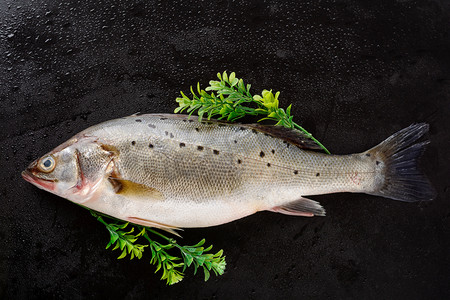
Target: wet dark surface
{"points": [[355, 72]]}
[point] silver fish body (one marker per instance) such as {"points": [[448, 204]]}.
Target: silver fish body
{"points": [[172, 171]]}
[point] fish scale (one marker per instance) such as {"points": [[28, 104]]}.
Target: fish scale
{"points": [[172, 171], [189, 163]]}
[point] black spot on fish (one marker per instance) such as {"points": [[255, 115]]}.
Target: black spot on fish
{"points": [[171, 135], [242, 128], [268, 164], [239, 161], [377, 162], [133, 143], [235, 141], [138, 120], [261, 154], [196, 129], [150, 145], [295, 172], [367, 154], [254, 131], [273, 151], [199, 148], [203, 122], [184, 120], [190, 121], [151, 126], [166, 132], [216, 152], [317, 174], [182, 145], [163, 119], [266, 134]]}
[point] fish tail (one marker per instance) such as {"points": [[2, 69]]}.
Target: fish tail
{"points": [[396, 162]]}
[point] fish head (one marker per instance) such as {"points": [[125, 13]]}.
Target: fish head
{"points": [[57, 171]]}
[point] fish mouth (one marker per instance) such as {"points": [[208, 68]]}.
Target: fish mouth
{"points": [[42, 183]]}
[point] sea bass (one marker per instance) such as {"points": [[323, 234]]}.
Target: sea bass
{"points": [[172, 171]]}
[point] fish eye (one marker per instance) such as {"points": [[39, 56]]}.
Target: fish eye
{"points": [[47, 164]]}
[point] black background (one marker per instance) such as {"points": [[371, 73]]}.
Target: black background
{"points": [[355, 72]]}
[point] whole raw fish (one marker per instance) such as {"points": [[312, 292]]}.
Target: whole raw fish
{"points": [[171, 171]]}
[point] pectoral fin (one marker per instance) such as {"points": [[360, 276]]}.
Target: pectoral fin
{"points": [[130, 188], [149, 223], [301, 207]]}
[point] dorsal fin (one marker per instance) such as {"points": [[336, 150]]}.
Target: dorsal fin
{"points": [[292, 136]]}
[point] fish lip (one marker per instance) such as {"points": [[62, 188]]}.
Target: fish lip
{"points": [[28, 176], [45, 184]]}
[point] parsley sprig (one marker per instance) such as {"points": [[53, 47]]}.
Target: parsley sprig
{"points": [[173, 267], [231, 99]]}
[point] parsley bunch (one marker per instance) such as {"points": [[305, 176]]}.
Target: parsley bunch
{"points": [[232, 100], [173, 267]]}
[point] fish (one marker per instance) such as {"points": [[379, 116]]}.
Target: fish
{"points": [[172, 171]]}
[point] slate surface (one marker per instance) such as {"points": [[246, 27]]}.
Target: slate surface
{"points": [[355, 72]]}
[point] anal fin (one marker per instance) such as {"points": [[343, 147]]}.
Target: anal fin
{"points": [[149, 223], [301, 207]]}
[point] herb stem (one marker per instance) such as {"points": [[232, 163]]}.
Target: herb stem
{"points": [[170, 240], [311, 137], [159, 234]]}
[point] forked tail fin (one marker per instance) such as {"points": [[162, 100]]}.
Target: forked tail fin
{"points": [[397, 161]]}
